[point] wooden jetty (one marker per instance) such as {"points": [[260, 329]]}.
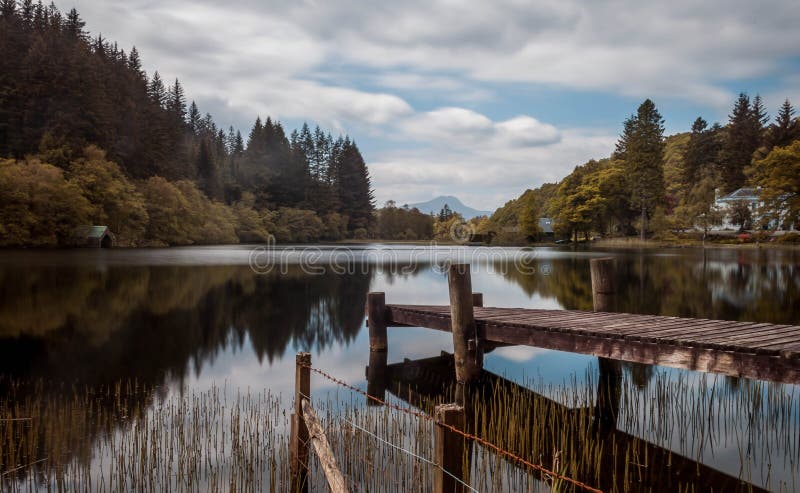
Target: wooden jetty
{"points": [[760, 351], [426, 382]]}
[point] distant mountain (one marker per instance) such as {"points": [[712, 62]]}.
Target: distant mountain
{"points": [[436, 205]]}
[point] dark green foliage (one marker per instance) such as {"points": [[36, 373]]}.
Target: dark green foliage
{"points": [[403, 223], [786, 128], [61, 91], [743, 138], [702, 151], [641, 147]]}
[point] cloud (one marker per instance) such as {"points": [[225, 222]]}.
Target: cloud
{"points": [[485, 175], [467, 128], [429, 88]]}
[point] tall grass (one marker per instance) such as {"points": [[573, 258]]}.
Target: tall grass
{"points": [[128, 437]]}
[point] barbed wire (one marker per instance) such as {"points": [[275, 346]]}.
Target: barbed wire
{"points": [[537, 467]]}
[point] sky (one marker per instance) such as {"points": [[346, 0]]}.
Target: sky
{"points": [[481, 100]]}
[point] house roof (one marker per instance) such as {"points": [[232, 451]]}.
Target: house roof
{"points": [[91, 231], [745, 193]]}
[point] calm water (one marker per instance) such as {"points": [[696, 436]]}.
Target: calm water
{"points": [[194, 319]]}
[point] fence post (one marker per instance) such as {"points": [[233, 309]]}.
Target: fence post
{"points": [[449, 450], [609, 382], [298, 445], [376, 321], [467, 342], [376, 376]]}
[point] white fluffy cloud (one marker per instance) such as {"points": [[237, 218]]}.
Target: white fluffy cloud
{"points": [[398, 73]]}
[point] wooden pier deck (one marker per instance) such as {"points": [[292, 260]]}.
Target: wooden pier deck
{"points": [[742, 349]]}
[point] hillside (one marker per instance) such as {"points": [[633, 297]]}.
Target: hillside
{"points": [[83, 125]]}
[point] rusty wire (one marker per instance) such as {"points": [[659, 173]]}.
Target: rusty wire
{"points": [[475, 438]]}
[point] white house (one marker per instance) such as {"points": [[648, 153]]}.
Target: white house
{"points": [[748, 195]]}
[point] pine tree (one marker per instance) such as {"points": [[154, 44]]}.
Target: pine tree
{"points": [[194, 119], [642, 145], [156, 90], [208, 172], [742, 140], [786, 128], [135, 63], [702, 152], [74, 25], [176, 102], [8, 9]]}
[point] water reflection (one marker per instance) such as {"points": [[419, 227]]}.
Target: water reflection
{"points": [[151, 322], [177, 319]]}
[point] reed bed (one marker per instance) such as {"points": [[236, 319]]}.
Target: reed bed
{"points": [[127, 437]]}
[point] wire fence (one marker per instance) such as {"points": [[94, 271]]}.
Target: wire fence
{"points": [[421, 415]]}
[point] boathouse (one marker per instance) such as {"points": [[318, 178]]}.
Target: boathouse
{"points": [[94, 236]]}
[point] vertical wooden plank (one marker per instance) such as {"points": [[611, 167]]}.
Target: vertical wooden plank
{"points": [[477, 299], [449, 450], [609, 382], [299, 439], [376, 376], [603, 285], [376, 313], [468, 355]]}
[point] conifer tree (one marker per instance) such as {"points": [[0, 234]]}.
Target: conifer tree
{"points": [[742, 139], [642, 145], [702, 152], [786, 128]]}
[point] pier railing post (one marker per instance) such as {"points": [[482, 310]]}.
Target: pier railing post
{"points": [[467, 342], [378, 346], [609, 382], [449, 450], [376, 321], [298, 445]]}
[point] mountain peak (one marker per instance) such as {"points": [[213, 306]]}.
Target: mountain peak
{"points": [[436, 204]]}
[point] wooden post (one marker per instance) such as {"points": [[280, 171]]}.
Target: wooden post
{"points": [[376, 313], [324, 452], [603, 285], [449, 450], [298, 445], [376, 376], [467, 342], [609, 382], [477, 299]]}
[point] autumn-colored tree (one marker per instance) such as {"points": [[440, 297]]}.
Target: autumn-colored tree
{"points": [[38, 206], [114, 198], [778, 175]]}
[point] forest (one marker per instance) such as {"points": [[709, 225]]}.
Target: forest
{"points": [[87, 137], [660, 187]]}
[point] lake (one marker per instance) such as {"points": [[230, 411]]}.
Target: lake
{"points": [[223, 322]]}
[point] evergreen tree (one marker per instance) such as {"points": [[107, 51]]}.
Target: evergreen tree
{"points": [[208, 172], [74, 25], [194, 119], [176, 102], [135, 63], [156, 90], [642, 145], [701, 153], [786, 128], [742, 139]]}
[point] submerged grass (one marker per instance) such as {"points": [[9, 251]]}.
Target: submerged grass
{"points": [[127, 437]]}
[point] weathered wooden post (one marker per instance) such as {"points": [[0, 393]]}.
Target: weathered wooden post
{"points": [[603, 285], [376, 376], [477, 300], [449, 450], [376, 321], [467, 342], [609, 382], [298, 445], [378, 345]]}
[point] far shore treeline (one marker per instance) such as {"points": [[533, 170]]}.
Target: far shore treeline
{"points": [[87, 137]]}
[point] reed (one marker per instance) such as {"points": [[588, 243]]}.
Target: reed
{"points": [[127, 436]]}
